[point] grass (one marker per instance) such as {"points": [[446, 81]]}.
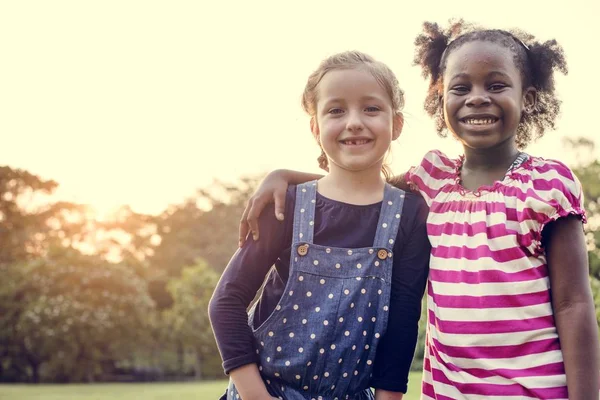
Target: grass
{"points": [[210, 390]]}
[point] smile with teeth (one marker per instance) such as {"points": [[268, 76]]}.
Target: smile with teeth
{"points": [[479, 121], [355, 142]]}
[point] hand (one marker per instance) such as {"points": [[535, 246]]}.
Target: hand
{"points": [[266, 397], [272, 188], [249, 383], [381, 394]]}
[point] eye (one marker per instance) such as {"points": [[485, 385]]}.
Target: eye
{"points": [[459, 89], [335, 111], [496, 87], [372, 109]]}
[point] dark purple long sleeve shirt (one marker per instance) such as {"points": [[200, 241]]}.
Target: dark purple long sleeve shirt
{"points": [[337, 224]]}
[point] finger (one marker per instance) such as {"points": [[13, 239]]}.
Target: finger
{"points": [[244, 227], [279, 197], [257, 206]]}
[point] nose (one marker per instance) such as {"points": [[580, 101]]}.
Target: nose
{"points": [[354, 122], [478, 98]]}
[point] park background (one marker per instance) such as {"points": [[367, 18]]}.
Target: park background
{"points": [[134, 131]]}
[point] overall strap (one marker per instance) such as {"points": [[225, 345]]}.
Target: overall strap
{"points": [[304, 212], [389, 217]]}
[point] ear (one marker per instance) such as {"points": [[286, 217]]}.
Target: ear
{"points": [[314, 128], [398, 125], [529, 99]]}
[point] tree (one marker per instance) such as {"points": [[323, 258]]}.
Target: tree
{"points": [[205, 226], [188, 317], [29, 222], [588, 172], [70, 312]]}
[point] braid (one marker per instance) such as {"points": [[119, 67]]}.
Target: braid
{"points": [[322, 160]]}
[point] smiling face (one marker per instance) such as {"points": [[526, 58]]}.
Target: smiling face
{"points": [[354, 121], [484, 95]]}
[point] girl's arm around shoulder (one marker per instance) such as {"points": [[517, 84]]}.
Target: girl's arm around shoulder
{"points": [[573, 305], [239, 284], [409, 278], [272, 189]]}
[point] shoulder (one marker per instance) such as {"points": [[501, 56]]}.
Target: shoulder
{"points": [[267, 215], [435, 172], [291, 193], [415, 205], [548, 169], [414, 218], [290, 200], [440, 159], [437, 165], [552, 178], [551, 187]]}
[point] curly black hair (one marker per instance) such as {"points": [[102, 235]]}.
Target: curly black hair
{"points": [[536, 61]]}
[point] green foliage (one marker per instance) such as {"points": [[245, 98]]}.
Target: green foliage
{"points": [[203, 227], [188, 317], [70, 312], [79, 297], [417, 364], [28, 224], [588, 172]]}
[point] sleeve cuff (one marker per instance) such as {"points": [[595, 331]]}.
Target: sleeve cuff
{"points": [[392, 386], [233, 363]]}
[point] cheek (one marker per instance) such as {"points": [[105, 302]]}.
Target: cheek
{"points": [[381, 123], [447, 112], [451, 103], [329, 130]]}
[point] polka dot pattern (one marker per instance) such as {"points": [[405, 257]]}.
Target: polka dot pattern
{"points": [[335, 311]]}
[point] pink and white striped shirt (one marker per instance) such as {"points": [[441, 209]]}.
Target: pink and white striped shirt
{"points": [[491, 331]]}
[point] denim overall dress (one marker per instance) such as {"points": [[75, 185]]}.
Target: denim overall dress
{"points": [[320, 341]]}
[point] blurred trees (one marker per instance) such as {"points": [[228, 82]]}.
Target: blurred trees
{"points": [[188, 319], [72, 312], [587, 170], [125, 299]]}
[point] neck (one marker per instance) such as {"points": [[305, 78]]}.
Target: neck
{"points": [[354, 187], [500, 156]]}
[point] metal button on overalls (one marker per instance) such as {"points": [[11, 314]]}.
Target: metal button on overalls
{"points": [[302, 249]]}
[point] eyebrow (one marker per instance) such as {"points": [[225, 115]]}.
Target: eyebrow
{"points": [[340, 99], [492, 73], [500, 73]]}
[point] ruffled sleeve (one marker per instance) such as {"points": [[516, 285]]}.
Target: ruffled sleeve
{"points": [[435, 173], [551, 192]]}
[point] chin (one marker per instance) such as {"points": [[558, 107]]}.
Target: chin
{"points": [[360, 167], [480, 141]]}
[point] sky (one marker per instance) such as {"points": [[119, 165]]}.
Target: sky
{"points": [[142, 102]]}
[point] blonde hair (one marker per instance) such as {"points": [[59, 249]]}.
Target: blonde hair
{"points": [[352, 60]]}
